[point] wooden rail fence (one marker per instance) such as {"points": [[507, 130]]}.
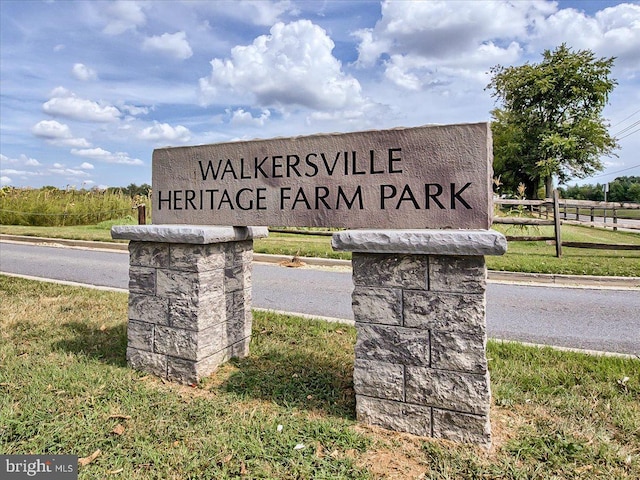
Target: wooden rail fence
{"points": [[556, 211]]}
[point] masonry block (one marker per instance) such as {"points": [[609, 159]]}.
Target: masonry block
{"points": [[190, 297], [398, 416], [377, 379], [420, 311], [377, 305], [392, 344]]}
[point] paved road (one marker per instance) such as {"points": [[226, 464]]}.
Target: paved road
{"points": [[607, 320]]}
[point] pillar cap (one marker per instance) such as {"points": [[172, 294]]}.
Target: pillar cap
{"points": [[194, 234], [424, 242]]}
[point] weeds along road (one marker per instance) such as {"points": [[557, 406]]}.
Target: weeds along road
{"points": [[606, 320]]}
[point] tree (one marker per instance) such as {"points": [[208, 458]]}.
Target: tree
{"points": [[550, 121], [622, 189]]}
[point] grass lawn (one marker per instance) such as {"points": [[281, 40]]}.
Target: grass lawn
{"points": [[286, 411]]}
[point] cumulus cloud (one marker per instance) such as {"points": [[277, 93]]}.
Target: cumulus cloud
{"points": [[241, 117], [123, 15], [174, 45], [165, 132], [67, 104], [421, 44], [427, 43], [22, 160], [83, 73], [614, 31], [8, 175], [103, 155], [86, 166], [292, 66], [58, 134]]}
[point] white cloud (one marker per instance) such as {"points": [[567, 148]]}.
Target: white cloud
{"points": [[612, 32], [32, 162], [428, 43], [22, 160], [123, 15], [134, 110], [68, 172], [67, 104], [256, 12], [51, 129], [84, 73], [4, 180], [103, 155], [292, 66], [241, 117], [261, 12], [86, 166], [165, 132], [58, 134], [172, 44]]}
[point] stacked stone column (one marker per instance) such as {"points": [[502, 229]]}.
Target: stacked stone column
{"points": [[189, 297], [419, 308]]}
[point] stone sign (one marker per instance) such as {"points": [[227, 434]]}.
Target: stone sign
{"points": [[424, 177], [419, 271]]}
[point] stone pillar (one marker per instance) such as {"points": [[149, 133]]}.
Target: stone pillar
{"points": [[189, 297], [419, 308]]}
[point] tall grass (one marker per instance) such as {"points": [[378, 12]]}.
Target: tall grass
{"points": [[53, 207]]}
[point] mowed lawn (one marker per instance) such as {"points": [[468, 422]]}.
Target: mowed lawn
{"points": [[287, 410]]}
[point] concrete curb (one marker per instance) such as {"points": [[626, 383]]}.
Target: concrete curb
{"points": [[584, 281]]}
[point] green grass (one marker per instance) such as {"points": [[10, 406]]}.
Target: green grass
{"points": [[65, 389], [599, 212], [539, 257], [530, 257], [100, 232]]}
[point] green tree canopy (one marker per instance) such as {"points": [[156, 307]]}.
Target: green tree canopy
{"points": [[622, 189], [550, 121]]}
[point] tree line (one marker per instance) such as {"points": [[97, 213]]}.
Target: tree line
{"points": [[622, 189]]}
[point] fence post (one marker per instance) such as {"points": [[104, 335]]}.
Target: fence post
{"points": [[556, 219], [142, 214], [615, 219], [592, 218]]}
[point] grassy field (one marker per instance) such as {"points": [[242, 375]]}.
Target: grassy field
{"points": [[52, 207], [532, 257], [286, 411]]}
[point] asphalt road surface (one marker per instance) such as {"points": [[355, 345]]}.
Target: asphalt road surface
{"points": [[605, 320]]}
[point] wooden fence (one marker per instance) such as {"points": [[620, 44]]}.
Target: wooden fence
{"points": [[556, 211]]}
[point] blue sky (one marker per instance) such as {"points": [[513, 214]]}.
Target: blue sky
{"points": [[89, 88]]}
